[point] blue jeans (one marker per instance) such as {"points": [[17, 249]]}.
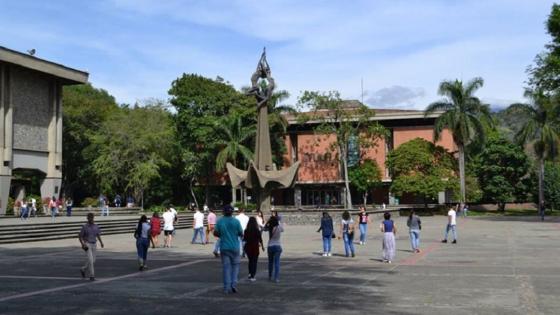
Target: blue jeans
{"points": [[327, 243], [348, 243], [414, 239], [363, 232], [69, 211], [142, 245], [453, 229], [274, 261], [217, 246], [53, 212], [230, 265], [196, 232]]}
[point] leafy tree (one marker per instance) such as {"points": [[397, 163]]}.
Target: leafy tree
{"points": [[419, 167], [200, 102], [347, 123], [233, 143], [365, 177], [462, 115], [552, 184], [85, 109], [502, 167], [545, 74], [542, 129], [132, 147]]}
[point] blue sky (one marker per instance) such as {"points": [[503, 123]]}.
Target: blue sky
{"points": [[401, 49]]}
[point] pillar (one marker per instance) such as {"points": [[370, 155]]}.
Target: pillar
{"points": [[50, 186], [6, 136]]}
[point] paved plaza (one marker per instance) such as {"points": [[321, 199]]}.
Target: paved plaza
{"points": [[501, 265]]}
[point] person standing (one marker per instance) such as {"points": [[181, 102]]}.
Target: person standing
{"points": [[53, 207], [260, 220], [101, 202], [155, 229], [243, 220], [168, 219], [414, 226], [451, 225], [347, 232], [253, 243], [198, 227], [23, 212], [229, 230], [465, 211], [363, 219], [34, 206], [142, 234], [69, 205], [328, 229], [117, 201], [88, 237], [389, 231], [274, 248]]}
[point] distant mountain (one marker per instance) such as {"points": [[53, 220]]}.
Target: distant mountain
{"points": [[509, 121]]}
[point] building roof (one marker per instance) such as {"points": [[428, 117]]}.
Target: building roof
{"points": [[352, 105], [69, 75]]}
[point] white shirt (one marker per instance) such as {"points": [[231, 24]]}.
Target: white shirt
{"points": [[173, 211], [243, 219], [168, 219], [453, 215], [198, 219]]}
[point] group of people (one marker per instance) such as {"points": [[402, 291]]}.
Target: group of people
{"points": [[52, 207]]}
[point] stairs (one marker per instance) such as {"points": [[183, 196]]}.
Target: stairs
{"points": [[34, 232]]}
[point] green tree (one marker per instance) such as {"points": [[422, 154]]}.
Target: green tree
{"points": [[462, 115], [132, 147], [552, 184], [542, 129], [199, 103], [544, 75], [365, 177], [419, 167], [85, 109], [235, 135], [502, 167], [348, 123]]}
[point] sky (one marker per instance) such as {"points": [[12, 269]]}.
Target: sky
{"points": [[399, 50]]}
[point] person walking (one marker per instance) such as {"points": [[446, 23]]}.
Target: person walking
{"points": [[34, 207], [69, 205], [363, 219], [88, 237], [198, 227], [168, 219], [229, 230], [414, 226], [243, 220], [347, 232], [155, 229], [389, 231], [210, 224], [142, 234], [328, 229], [451, 225], [274, 249], [253, 243]]}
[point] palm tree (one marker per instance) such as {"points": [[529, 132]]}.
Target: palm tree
{"points": [[234, 137], [462, 114], [542, 129]]}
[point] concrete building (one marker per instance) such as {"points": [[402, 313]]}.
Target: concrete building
{"points": [[31, 119], [319, 179]]}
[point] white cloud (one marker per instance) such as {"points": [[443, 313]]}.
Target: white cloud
{"points": [[395, 96]]}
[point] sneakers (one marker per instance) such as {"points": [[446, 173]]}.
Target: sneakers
{"points": [[324, 254], [252, 279], [234, 290], [454, 242], [329, 254], [444, 241]]}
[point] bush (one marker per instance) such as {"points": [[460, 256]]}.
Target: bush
{"points": [[90, 202], [10, 206], [152, 209]]}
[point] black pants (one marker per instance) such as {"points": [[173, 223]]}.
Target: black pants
{"points": [[253, 265]]}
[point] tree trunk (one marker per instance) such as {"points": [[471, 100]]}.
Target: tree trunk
{"points": [[462, 172], [365, 199], [346, 180], [192, 192], [425, 203], [502, 206], [541, 185]]}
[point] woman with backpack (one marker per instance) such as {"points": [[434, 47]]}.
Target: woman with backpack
{"points": [[328, 229], [414, 226], [347, 232], [142, 234], [389, 231]]}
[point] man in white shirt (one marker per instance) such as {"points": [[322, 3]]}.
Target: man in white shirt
{"points": [[243, 220], [168, 219], [451, 225], [198, 225]]}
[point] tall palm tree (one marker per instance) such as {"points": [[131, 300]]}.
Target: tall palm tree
{"points": [[542, 129], [462, 114], [234, 136]]}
